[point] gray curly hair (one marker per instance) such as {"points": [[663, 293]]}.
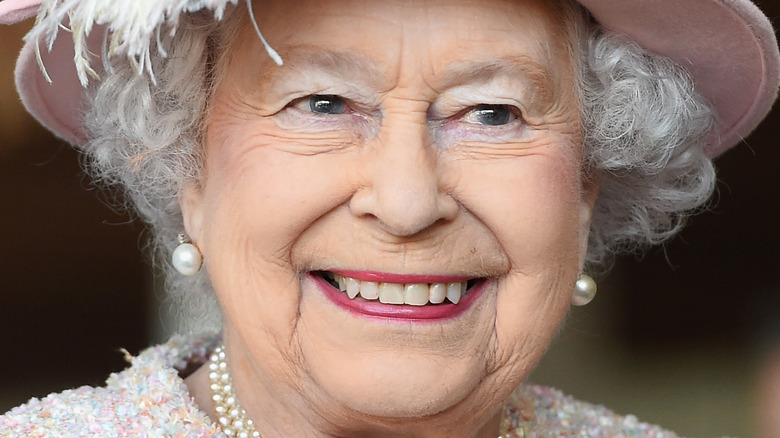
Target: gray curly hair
{"points": [[643, 124]]}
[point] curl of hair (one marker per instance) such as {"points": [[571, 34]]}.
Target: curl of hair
{"points": [[145, 139], [644, 127]]}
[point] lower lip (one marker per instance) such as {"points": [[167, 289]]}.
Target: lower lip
{"points": [[375, 309]]}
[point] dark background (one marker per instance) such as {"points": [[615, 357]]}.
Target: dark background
{"points": [[75, 286]]}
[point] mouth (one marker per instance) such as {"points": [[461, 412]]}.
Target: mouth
{"points": [[400, 296]]}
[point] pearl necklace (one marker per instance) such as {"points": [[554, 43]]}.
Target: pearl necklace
{"points": [[231, 416]]}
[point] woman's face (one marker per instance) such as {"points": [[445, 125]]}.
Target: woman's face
{"points": [[411, 151]]}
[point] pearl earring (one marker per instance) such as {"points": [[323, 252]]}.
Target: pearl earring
{"points": [[187, 258], [584, 290]]}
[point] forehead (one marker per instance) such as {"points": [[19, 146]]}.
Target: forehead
{"points": [[436, 38]]}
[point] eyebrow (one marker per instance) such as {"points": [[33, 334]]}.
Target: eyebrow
{"points": [[351, 67], [342, 65], [477, 72]]}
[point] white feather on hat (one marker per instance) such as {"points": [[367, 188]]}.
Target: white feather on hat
{"points": [[131, 25]]}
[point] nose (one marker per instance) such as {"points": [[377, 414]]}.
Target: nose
{"points": [[403, 189]]}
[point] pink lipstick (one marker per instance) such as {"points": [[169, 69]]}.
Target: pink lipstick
{"points": [[400, 312]]}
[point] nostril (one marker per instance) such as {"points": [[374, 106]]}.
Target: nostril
{"points": [[448, 207], [403, 213]]}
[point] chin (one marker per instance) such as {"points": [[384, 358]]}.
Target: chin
{"points": [[400, 385], [392, 366]]}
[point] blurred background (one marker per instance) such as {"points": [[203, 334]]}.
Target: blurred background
{"points": [[686, 336]]}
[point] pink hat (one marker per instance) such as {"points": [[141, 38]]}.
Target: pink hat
{"points": [[728, 46]]}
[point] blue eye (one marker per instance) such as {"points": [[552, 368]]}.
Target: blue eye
{"points": [[327, 104], [491, 115]]}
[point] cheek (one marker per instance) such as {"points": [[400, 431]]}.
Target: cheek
{"points": [[271, 185], [260, 195], [530, 203]]}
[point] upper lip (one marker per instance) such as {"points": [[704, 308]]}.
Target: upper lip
{"points": [[387, 277]]}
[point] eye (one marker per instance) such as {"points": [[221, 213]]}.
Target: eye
{"points": [[490, 115], [327, 104]]}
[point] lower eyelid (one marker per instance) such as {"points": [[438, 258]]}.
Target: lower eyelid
{"points": [[304, 120], [453, 131]]}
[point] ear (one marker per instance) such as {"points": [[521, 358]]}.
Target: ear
{"points": [[590, 191], [191, 204]]}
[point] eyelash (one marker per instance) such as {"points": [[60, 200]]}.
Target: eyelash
{"points": [[513, 114], [447, 130], [305, 103], [345, 106]]}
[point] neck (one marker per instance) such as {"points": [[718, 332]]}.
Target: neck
{"points": [[279, 412]]}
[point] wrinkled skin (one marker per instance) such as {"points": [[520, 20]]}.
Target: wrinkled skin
{"points": [[402, 174]]}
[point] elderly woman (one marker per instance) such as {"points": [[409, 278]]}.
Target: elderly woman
{"points": [[385, 207]]}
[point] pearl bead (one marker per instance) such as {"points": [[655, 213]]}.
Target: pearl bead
{"points": [[187, 259], [584, 290], [232, 418]]}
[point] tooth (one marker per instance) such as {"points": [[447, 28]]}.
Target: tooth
{"points": [[391, 293], [353, 287], [369, 290], [416, 294], [438, 292], [341, 281], [453, 292]]}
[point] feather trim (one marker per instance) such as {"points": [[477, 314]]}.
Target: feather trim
{"points": [[131, 26]]}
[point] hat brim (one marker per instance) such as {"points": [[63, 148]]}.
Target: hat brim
{"points": [[728, 47]]}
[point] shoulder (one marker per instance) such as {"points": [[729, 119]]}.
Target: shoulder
{"points": [[147, 399], [535, 411]]}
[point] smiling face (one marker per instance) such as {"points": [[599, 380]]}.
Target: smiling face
{"points": [[418, 152]]}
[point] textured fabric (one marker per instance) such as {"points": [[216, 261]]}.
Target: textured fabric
{"points": [[728, 46], [149, 399]]}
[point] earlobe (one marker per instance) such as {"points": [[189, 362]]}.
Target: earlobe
{"points": [[191, 204]]}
